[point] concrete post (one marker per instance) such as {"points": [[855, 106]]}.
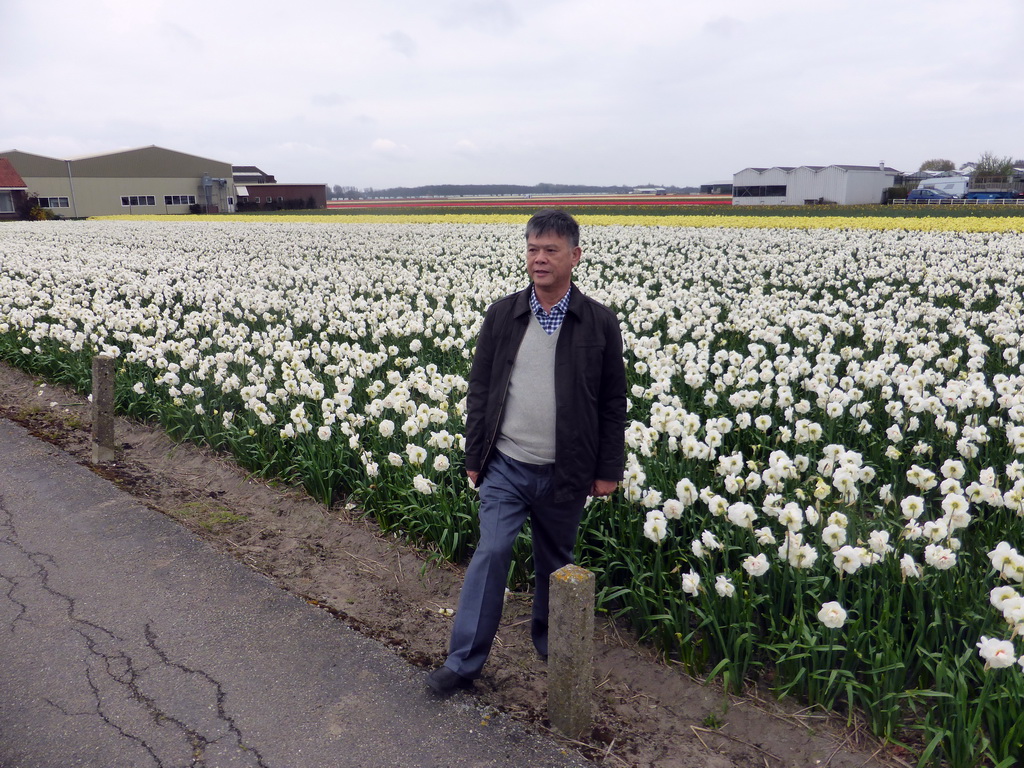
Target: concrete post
{"points": [[102, 409], [571, 651]]}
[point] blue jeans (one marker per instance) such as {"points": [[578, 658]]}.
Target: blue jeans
{"points": [[510, 491]]}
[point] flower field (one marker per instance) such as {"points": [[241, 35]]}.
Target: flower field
{"points": [[825, 481]]}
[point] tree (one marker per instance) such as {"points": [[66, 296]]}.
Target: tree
{"points": [[938, 164], [990, 164]]}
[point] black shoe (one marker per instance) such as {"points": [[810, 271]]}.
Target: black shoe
{"points": [[444, 682]]}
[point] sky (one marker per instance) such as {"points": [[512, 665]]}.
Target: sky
{"points": [[384, 93]]}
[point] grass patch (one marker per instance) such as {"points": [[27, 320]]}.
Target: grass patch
{"points": [[210, 517]]}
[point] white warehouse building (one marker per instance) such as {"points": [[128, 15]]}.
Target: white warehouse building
{"points": [[810, 184]]}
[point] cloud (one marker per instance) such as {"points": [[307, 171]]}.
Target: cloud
{"points": [[466, 147], [390, 149], [516, 91], [493, 17], [724, 26], [401, 43], [332, 99], [181, 38]]}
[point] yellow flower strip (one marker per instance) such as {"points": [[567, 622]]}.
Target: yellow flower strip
{"points": [[926, 224]]}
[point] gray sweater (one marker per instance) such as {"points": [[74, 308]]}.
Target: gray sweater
{"points": [[528, 429]]}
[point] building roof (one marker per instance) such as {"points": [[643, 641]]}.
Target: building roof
{"points": [[886, 168], [9, 177], [816, 168], [258, 184], [131, 150], [250, 174]]}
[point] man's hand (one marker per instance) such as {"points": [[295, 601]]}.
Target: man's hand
{"points": [[472, 477], [603, 488]]}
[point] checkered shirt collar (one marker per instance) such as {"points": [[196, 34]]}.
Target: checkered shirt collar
{"points": [[549, 321]]}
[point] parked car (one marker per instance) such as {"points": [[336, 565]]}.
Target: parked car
{"points": [[952, 185], [928, 194], [1003, 195]]}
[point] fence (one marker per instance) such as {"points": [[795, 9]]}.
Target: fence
{"points": [[957, 201]]}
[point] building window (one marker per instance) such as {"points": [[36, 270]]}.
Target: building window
{"points": [[137, 200], [6, 202], [256, 200], [778, 190], [53, 202], [179, 199]]}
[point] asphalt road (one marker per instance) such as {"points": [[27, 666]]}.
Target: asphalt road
{"points": [[126, 641]]}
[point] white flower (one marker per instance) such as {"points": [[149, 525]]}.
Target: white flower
{"points": [[441, 463], [718, 505], [691, 583], [741, 514], [792, 516], [1012, 609], [834, 536], [756, 565], [832, 615], [423, 485], [909, 568], [997, 654], [324, 433], [723, 586], [651, 498], [764, 536], [955, 503], [838, 518], [672, 509], [686, 492], [939, 557], [912, 507], [878, 542], [803, 556], [710, 541], [655, 527], [935, 530], [849, 559], [921, 477], [1000, 595], [1007, 562], [951, 468], [417, 454], [386, 428]]}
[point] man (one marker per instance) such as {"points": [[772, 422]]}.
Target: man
{"points": [[545, 425]]}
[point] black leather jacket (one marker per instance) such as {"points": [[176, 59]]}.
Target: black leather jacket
{"points": [[590, 390]]}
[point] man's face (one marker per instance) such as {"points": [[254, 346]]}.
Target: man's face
{"points": [[550, 260]]}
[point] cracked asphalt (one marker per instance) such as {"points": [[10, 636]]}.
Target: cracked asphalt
{"points": [[125, 641]]}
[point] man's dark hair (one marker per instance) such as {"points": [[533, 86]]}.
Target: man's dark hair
{"points": [[558, 222]]}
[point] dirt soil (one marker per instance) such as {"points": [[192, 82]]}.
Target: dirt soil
{"points": [[647, 713]]}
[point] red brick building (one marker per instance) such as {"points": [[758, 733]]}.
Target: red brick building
{"points": [[13, 190], [277, 197], [260, 191]]}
